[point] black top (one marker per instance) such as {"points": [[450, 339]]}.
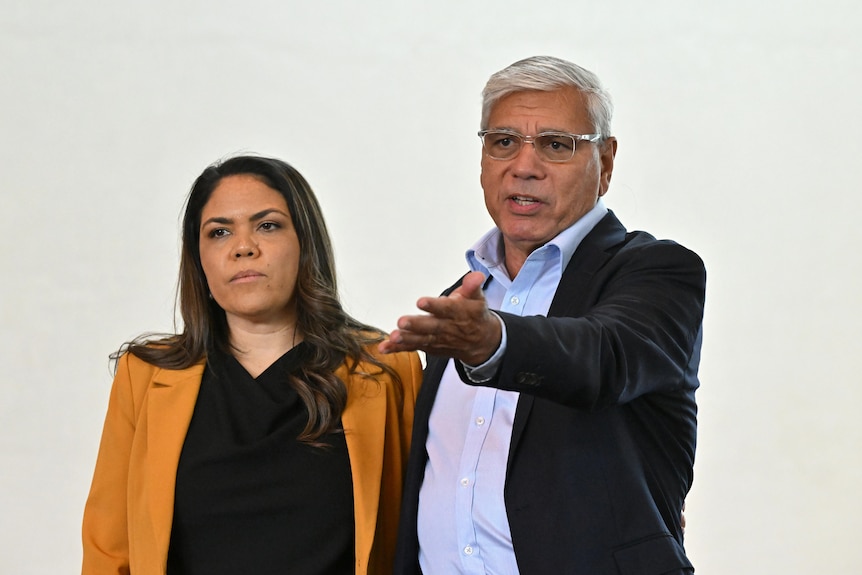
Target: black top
{"points": [[250, 498]]}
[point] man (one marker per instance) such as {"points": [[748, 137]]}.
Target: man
{"points": [[556, 434]]}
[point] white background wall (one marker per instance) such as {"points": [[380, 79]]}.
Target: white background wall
{"points": [[739, 125]]}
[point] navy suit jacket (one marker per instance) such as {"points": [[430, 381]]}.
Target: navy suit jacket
{"points": [[604, 433]]}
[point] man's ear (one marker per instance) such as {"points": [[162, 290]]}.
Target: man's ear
{"points": [[607, 152]]}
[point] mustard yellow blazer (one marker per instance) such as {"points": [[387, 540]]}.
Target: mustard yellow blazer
{"points": [[129, 511]]}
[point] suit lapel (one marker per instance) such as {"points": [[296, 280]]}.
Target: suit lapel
{"points": [[431, 377], [592, 253], [170, 404]]}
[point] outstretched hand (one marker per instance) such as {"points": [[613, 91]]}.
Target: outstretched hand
{"points": [[459, 325]]}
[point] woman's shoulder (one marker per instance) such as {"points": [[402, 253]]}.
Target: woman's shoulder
{"points": [[129, 361], [394, 360], [397, 376], [143, 361]]}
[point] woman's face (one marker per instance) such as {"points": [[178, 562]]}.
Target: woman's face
{"points": [[250, 252]]}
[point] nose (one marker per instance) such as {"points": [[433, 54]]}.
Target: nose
{"points": [[526, 163], [245, 246], [245, 253]]}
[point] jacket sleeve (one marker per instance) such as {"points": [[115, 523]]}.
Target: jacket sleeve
{"points": [[639, 332], [411, 380], [105, 528], [399, 422]]}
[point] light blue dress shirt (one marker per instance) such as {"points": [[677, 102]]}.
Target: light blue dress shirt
{"points": [[462, 525]]}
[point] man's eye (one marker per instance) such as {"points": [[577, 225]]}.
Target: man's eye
{"points": [[503, 142], [558, 143]]}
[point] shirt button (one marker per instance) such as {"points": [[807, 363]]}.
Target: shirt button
{"points": [[514, 300], [480, 420], [465, 482], [468, 550]]}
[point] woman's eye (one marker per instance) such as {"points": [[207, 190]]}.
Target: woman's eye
{"points": [[269, 226], [218, 233]]}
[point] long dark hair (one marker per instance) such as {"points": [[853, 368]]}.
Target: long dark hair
{"points": [[330, 335]]}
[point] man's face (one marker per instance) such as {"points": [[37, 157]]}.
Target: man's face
{"points": [[532, 200]]}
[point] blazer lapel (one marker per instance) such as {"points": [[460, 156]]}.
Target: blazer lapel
{"points": [[433, 373], [170, 405], [592, 253]]}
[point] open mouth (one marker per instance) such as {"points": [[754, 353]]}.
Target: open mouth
{"points": [[523, 201]]}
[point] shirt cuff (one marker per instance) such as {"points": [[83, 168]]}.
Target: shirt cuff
{"points": [[486, 371]]}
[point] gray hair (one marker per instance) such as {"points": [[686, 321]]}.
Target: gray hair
{"points": [[546, 73]]}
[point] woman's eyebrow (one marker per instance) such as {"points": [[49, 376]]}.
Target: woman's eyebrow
{"points": [[253, 218], [263, 213]]}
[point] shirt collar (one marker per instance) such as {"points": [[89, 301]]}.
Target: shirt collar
{"points": [[486, 255]]}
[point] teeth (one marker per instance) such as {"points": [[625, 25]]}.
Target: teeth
{"points": [[522, 201]]}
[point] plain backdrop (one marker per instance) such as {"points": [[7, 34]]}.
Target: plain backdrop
{"points": [[739, 136]]}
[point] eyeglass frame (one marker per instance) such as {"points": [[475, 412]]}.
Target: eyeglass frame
{"points": [[532, 139]]}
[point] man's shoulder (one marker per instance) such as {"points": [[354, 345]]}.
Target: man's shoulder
{"points": [[644, 244], [613, 251], [610, 233]]}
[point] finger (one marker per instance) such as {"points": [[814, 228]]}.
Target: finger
{"points": [[456, 306], [419, 324], [400, 341], [471, 286], [441, 308], [386, 346]]}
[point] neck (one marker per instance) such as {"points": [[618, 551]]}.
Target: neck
{"points": [[256, 347], [515, 258]]}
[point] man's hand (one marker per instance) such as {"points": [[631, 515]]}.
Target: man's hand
{"points": [[459, 326]]}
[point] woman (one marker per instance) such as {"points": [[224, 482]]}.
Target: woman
{"points": [[269, 436]]}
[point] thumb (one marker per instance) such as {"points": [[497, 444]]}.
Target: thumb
{"points": [[471, 286]]}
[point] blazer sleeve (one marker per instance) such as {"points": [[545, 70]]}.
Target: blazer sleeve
{"points": [[395, 444], [411, 381], [634, 329], [105, 525]]}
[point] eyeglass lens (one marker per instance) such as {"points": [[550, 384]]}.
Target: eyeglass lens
{"points": [[551, 147]]}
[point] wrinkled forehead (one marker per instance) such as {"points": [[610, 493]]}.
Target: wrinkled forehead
{"points": [[564, 108]]}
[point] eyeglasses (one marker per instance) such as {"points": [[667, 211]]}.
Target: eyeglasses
{"points": [[550, 146]]}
